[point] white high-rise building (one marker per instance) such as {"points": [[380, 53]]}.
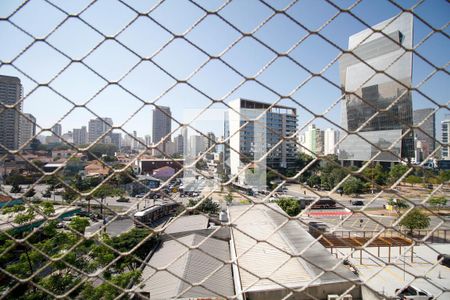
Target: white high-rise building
{"points": [[196, 145], [331, 137], [312, 141], [445, 139], [148, 139]]}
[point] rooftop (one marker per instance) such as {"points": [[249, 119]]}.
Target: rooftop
{"points": [[193, 266], [275, 257], [188, 223]]}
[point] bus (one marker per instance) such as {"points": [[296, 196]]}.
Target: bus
{"points": [[154, 213], [322, 203]]}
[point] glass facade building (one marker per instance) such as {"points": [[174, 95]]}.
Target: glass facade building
{"points": [[425, 135], [378, 105]]}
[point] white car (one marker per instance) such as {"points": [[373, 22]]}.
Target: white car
{"points": [[415, 293]]}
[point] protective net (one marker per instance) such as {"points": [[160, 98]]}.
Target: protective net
{"points": [[287, 149]]}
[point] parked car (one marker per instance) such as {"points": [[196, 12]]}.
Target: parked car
{"points": [[415, 293], [444, 259], [123, 199], [357, 203]]}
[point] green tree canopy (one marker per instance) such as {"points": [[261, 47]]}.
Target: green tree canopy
{"points": [[353, 185], [413, 179], [415, 219], [228, 198], [290, 205], [208, 206], [101, 149], [439, 202], [397, 171], [376, 173], [79, 224]]}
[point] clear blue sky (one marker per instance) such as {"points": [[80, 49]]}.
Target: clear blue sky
{"points": [[180, 59]]}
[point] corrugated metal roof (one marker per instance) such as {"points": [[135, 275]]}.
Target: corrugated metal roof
{"points": [[193, 266], [188, 223], [263, 259]]}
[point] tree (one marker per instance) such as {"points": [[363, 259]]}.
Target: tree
{"points": [[52, 181], [438, 201], [331, 176], [289, 205], [313, 180], [270, 177], [35, 145], [38, 163], [79, 224], [444, 175], [108, 291], [396, 172], [398, 205], [25, 217], [73, 167], [124, 177], [301, 162], [109, 159], [69, 194], [48, 208], [413, 179], [353, 185], [207, 206], [104, 191], [13, 209], [15, 188], [229, 198], [201, 165], [415, 219], [376, 174], [101, 149]]}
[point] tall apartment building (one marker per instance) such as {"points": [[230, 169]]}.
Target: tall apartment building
{"points": [[68, 137], [425, 135], [259, 136], [197, 144], [80, 136], [10, 93], [27, 129], [179, 144], [445, 125], [162, 124], [312, 141], [331, 137], [366, 92], [57, 129], [116, 139], [97, 127], [211, 140], [148, 139]]}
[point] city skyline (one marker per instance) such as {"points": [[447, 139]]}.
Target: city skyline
{"points": [[119, 104], [232, 149]]}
